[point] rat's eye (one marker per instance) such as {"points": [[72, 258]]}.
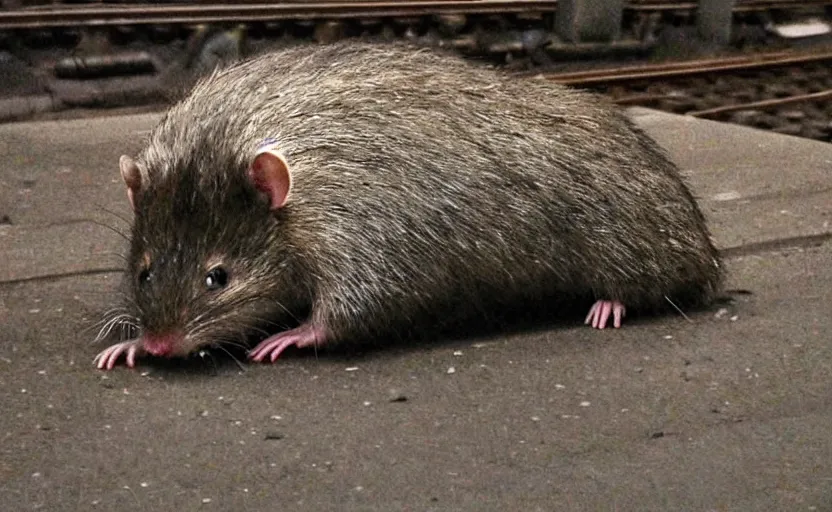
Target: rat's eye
{"points": [[216, 278], [144, 276]]}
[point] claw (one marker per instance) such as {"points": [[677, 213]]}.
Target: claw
{"points": [[600, 312], [108, 357], [304, 336]]}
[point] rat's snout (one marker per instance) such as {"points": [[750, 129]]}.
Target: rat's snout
{"points": [[162, 345]]}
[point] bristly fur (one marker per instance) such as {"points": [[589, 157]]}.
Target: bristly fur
{"points": [[422, 185]]}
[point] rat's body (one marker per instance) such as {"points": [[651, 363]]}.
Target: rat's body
{"points": [[394, 185]]}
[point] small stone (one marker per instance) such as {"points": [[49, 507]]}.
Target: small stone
{"points": [[788, 129], [451, 370], [746, 116], [397, 396], [451, 23], [329, 31], [793, 115]]}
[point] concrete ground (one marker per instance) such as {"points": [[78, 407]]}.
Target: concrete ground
{"points": [[727, 410]]}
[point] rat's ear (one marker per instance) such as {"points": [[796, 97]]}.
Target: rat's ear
{"points": [[132, 177], [269, 173]]}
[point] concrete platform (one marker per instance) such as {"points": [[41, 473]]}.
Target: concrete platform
{"points": [[730, 410]]}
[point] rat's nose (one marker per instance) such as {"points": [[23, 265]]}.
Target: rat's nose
{"points": [[160, 344]]}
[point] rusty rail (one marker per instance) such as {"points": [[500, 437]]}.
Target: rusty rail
{"points": [[85, 15], [684, 69], [762, 105], [748, 6]]}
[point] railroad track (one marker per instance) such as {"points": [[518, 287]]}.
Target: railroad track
{"points": [[135, 14], [785, 92], [96, 15]]}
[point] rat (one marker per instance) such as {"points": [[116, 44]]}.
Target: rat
{"points": [[327, 193]]}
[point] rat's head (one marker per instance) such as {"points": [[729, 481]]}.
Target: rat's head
{"points": [[207, 264]]}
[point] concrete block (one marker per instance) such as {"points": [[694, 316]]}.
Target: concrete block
{"points": [[589, 20], [713, 20]]}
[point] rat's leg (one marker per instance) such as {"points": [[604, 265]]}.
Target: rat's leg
{"points": [[599, 313], [306, 335], [108, 357]]}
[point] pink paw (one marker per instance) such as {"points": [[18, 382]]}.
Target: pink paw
{"points": [[108, 357], [306, 335], [599, 313]]}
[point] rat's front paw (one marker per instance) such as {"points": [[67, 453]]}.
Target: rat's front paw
{"points": [[108, 357], [307, 335]]}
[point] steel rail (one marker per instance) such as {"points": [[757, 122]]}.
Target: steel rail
{"points": [[670, 66], [133, 14], [762, 105], [750, 6], [693, 68], [51, 16]]}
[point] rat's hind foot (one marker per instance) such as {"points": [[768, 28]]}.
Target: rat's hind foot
{"points": [[599, 313], [108, 357], [307, 335]]}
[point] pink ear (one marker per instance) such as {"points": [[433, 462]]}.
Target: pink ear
{"points": [[270, 175], [132, 177]]}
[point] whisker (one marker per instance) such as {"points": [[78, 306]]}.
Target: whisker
{"points": [[286, 310], [111, 228], [239, 364], [121, 321], [105, 317], [114, 214], [677, 309], [250, 324], [116, 254]]}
